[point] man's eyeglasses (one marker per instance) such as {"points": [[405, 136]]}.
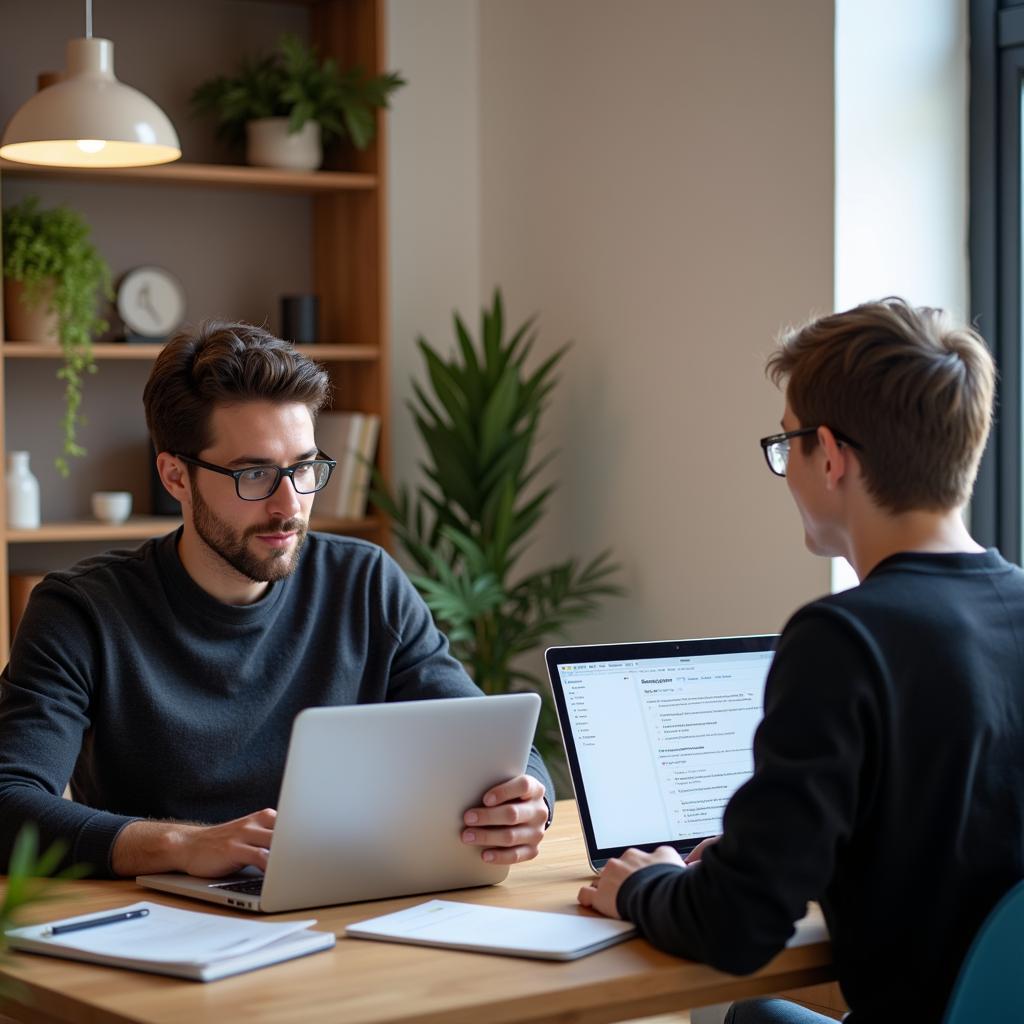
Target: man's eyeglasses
{"points": [[776, 447], [259, 482]]}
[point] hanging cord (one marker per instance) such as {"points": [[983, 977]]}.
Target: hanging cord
{"points": [[88, 19]]}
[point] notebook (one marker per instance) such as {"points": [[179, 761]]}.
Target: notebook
{"points": [[372, 801], [182, 943], [502, 930], [658, 736]]}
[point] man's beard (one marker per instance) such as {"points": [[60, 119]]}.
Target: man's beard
{"points": [[233, 547]]}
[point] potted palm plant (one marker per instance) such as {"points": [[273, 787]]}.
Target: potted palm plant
{"points": [[287, 105], [53, 280], [466, 530]]}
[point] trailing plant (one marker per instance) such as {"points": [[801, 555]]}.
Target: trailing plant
{"points": [[294, 83], [29, 881], [468, 527], [46, 249]]}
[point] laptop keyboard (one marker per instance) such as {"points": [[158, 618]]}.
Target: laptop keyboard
{"points": [[251, 886]]}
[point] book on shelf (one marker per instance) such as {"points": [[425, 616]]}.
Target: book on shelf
{"points": [[361, 472], [164, 940], [350, 438]]}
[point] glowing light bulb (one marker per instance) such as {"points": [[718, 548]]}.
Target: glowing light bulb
{"points": [[91, 145]]}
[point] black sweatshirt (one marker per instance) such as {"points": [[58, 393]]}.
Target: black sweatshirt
{"points": [[888, 784], [157, 700]]}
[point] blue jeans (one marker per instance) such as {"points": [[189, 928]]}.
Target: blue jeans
{"points": [[773, 1011]]}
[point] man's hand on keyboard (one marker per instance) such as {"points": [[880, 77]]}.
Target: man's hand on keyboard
{"points": [[602, 895], [208, 851]]}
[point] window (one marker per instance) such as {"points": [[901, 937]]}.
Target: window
{"points": [[997, 289]]}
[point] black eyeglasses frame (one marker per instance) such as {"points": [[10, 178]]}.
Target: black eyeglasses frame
{"points": [[282, 472], [773, 439]]}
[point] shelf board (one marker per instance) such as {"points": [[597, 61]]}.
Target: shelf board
{"points": [[144, 527], [119, 350], [136, 528], [206, 176]]}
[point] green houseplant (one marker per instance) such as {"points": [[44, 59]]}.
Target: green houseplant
{"points": [[468, 527], [50, 255], [301, 94], [29, 882]]}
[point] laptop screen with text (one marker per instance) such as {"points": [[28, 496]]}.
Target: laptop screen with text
{"points": [[659, 736]]}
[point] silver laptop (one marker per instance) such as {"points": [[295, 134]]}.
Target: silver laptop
{"points": [[372, 801], [658, 735]]}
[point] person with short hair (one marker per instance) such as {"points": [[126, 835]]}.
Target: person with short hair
{"points": [[162, 682], [888, 779]]}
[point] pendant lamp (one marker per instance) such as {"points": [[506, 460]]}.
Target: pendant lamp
{"points": [[88, 118]]}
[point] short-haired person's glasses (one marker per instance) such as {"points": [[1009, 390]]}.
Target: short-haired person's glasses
{"points": [[259, 482], [776, 447]]}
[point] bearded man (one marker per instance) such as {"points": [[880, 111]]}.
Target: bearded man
{"points": [[162, 682]]}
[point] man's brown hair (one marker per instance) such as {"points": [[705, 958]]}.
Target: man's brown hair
{"points": [[911, 387], [223, 364]]}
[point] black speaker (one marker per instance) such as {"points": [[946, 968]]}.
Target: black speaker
{"points": [[300, 319]]}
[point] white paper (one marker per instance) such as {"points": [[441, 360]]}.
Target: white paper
{"points": [[498, 929], [165, 935], [810, 928]]}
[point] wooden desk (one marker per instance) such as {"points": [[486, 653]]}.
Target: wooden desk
{"points": [[361, 982]]}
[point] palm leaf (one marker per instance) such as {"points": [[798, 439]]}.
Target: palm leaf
{"points": [[478, 413]]}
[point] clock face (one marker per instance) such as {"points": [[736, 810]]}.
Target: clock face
{"points": [[151, 302]]}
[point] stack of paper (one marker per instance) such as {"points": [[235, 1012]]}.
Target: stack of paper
{"points": [[182, 943], [485, 929], [350, 438]]}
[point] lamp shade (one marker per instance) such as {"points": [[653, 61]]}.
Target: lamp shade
{"points": [[90, 119]]}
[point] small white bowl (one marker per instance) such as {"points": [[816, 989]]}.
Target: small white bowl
{"points": [[112, 506]]}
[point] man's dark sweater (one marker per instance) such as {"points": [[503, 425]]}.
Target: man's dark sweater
{"points": [[888, 784], [157, 700]]}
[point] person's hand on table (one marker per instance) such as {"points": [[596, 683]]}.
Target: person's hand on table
{"points": [[603, 893], [510, 824]]}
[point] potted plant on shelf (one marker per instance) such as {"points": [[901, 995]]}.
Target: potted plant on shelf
{"points": [[468, 528], [289, 104], [53, 277]]}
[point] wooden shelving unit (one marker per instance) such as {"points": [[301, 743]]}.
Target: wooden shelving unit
{"points": [[347, 258], [321, 352], [207, 176], [144, 527]]}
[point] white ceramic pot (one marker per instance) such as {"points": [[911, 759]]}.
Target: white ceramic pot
{"points": [[270, 144], [112, 506]]}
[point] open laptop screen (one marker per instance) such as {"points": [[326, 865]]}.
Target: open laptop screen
{"points": [[658, 735]]}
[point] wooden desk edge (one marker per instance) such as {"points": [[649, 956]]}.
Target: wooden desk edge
{"points": [[643, 981]]}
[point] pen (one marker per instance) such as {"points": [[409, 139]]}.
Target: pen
{"points": [[128, 915]]}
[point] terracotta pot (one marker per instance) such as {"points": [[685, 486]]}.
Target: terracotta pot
{"points": [[21, 323], [270, 144]]}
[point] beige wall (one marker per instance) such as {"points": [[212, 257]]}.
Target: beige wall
{"points": [[435, 189], [656, 182]]}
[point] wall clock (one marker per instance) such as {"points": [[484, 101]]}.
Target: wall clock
{"points": [[151, 302]]}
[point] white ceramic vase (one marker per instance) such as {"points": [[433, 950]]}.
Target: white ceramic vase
{"points": [[22, 493], [270, 144]]}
